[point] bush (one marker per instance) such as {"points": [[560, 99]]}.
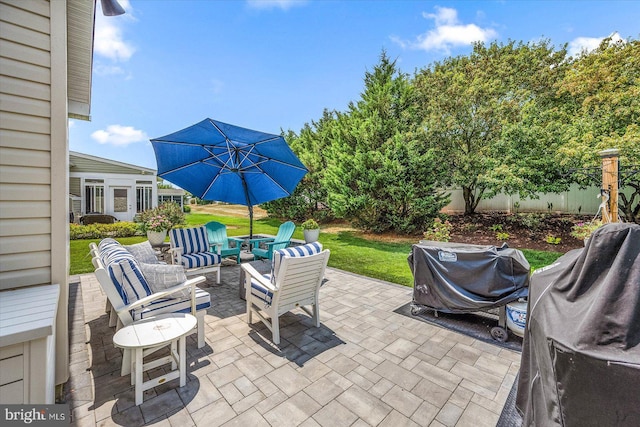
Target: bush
{"points": [[530, 221], [100, 231], [553, 240], [440, 231], [583, 230], [186, 209], [169, 210]]}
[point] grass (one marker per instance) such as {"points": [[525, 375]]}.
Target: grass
{"points": [[349, 251]]}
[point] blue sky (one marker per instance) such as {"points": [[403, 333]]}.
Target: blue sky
{"points": [[277, 64]]}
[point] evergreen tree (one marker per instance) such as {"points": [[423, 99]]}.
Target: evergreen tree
{"points": [[380, 174]]}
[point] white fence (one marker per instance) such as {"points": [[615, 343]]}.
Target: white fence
{"points": [[576, 200]]}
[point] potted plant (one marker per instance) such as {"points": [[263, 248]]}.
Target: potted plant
{"points": [[311, 231], [156, 227], [582, 230]]}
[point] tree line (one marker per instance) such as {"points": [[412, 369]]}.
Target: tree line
{"points": [[514, 118]]}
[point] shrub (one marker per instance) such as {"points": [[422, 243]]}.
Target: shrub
{"points": [[583, 230], [496, 227], [530, 221], [186, 209], [440, 231], [100, 231], [170, 211], [553, 240], [502, 236]]}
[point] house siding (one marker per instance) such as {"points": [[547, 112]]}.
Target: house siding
{"points": [[33, 154], [25, 142]]}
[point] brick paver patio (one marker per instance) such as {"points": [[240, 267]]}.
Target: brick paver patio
{"points": [[365, 366]]}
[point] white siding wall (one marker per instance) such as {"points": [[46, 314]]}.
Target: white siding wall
{"points": [[33, 137], [576, 200], [25, 141]]}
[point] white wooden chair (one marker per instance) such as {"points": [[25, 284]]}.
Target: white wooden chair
{"points": [[297, 274], [131, 297]]}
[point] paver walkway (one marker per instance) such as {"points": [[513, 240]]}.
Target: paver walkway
{"points": [[365, 365]]}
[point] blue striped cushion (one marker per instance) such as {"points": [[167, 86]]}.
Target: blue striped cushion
{"points": [[124, 271], [205, 259], [191, 240], [107, 242], [261, 292], [128, 279], [293, 252], [172, 305]]}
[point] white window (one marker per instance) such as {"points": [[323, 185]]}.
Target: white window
{"points": [[94, 196], [170, 198], [144, 197]]}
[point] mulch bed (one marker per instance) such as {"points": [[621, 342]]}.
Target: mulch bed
{"points": [[525, 230]]}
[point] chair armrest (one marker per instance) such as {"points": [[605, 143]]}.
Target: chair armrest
{"points": [[253, 273], [276, 243], [261, 239], [176, 255], [189, 284], [217, 247]]}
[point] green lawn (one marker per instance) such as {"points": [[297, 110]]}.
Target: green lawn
{"points": [[350, 252]]}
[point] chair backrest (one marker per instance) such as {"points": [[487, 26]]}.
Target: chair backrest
{"points": [[192, 240], [298, 279], [123, 270], [113, 295], [217, 233], [285, 232]]}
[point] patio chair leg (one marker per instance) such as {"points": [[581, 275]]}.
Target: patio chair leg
{"points": [[275, 329], [113, 317], [316, 315], [200, 316], [248, 310], [126, 362]]}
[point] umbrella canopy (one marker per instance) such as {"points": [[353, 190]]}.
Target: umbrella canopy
{"points": [[218, 161]]}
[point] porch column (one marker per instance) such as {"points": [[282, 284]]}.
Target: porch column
{"points": [[610, 180]]}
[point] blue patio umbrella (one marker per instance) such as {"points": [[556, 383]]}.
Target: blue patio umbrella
{"points": [[227, 163]]}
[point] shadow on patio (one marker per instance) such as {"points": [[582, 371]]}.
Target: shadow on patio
{"points": [[365, 363]]}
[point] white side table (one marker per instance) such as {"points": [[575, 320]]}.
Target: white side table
{"points": [[148, 335]]}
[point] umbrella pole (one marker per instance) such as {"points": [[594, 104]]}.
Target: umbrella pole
{"points": [[250, 222]]}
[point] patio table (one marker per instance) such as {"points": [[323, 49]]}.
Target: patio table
{"points": [[145, 336]]}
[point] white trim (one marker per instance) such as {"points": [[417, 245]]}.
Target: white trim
{"points": [[111, 162], [60, 183]]}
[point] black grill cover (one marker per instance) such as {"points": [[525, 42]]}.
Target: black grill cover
{"points": [[581, 354], [461, 278]]}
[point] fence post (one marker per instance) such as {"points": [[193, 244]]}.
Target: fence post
{"points": [[610, 180]]}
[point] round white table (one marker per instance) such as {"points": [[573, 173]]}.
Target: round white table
{"points": [[145, 336]]}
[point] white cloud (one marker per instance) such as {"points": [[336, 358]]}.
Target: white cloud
{"points": [[273, 4], [581, 45], [449, 32], [109, 41], [102, 69], [119, 135]]}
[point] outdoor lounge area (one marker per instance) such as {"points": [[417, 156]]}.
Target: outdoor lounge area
{"points": [[365, 365]]}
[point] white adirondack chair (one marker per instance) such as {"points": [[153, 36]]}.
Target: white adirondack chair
{"points": [[295, 282]]}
